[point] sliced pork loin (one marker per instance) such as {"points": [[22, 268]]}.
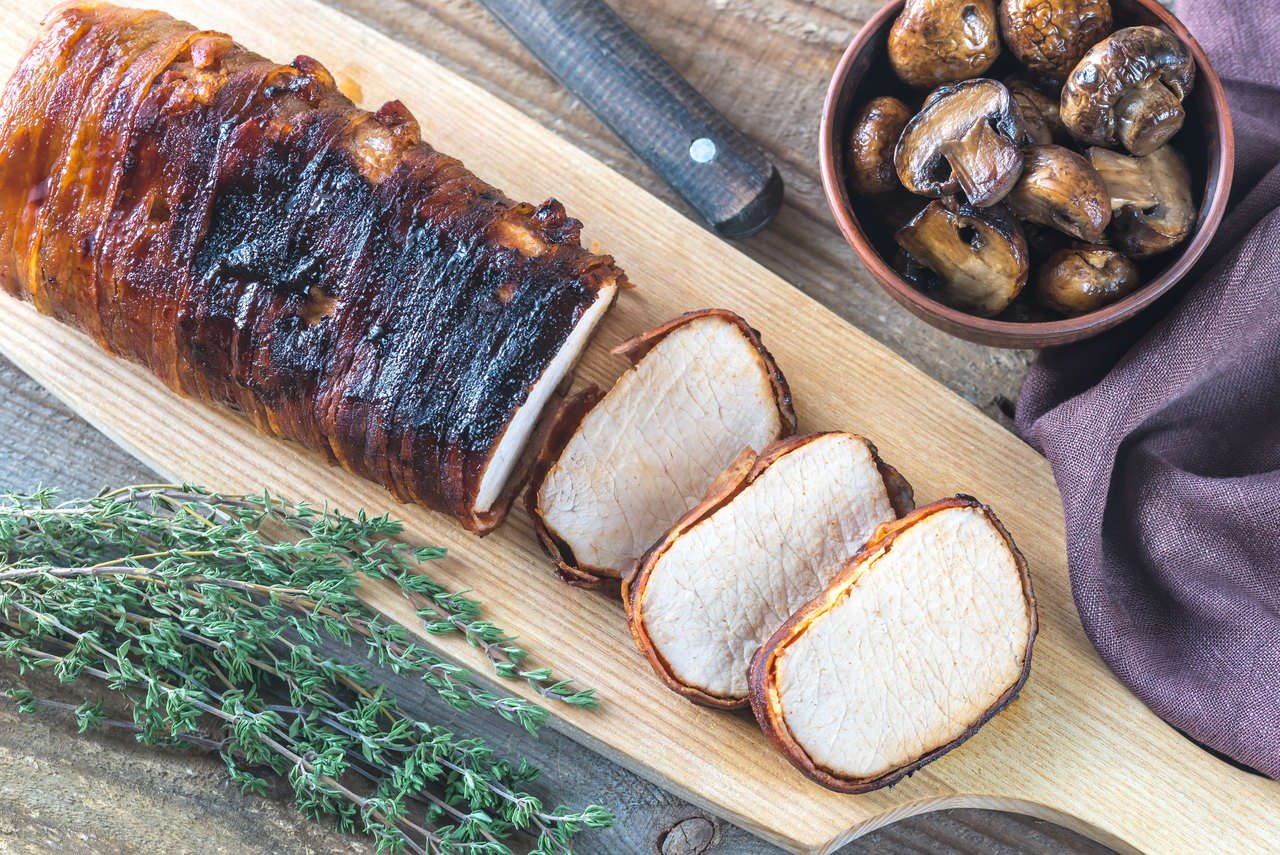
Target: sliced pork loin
{"points": [[921, 639], [770, 535], [245, 232], [617, 470]]}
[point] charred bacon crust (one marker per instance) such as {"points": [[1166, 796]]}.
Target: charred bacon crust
{"points": [[571, 413], [740, 475], [243, 230], [763, 665]]}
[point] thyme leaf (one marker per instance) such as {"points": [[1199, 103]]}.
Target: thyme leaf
{"points": [[206, 615]]}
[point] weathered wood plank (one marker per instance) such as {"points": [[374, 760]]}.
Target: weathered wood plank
{"points": [[103, 793], [179, 803], [1072, 723], [764, 64]]}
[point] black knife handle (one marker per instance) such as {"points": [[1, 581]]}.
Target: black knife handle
{"points": [[594, 54]]}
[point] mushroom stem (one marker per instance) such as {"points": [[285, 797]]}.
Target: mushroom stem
{"points": [[1151, 200], [979, 256], [986, 164], [1126, 178], [1149, 117]]}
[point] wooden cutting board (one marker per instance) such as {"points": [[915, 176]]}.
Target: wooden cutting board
{"points": [[1076, 747]]}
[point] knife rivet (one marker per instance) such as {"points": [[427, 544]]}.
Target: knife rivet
{"points": [[702, 150]]}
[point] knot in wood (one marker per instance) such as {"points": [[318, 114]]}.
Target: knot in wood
{"points": [[695, 835]]}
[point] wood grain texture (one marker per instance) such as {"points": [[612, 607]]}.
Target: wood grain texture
{"points": [[103, 794], [1075, 745], [659, 116], [765, 65]]}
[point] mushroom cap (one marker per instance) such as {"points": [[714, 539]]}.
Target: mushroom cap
{"points": [[942, 41], [871, 145], [1152, 207], [1040, 113], [1084, 278], [1059, 188], [921, 277], [967, 137], [979, 256], [1128, 90], [1050, 36]]}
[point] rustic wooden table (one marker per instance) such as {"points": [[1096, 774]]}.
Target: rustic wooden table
{"points": [[765, 64]]}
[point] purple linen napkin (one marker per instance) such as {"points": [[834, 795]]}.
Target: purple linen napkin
{"points": [[1164, 437]]}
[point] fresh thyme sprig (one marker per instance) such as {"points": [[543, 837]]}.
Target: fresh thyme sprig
{"points": [[205, 613]]}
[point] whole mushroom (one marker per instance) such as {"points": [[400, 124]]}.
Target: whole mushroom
{"points": [[1059, 188], [1151, 203], [1050, 36], [1128, 90], [871, 145], [942, 41], [968, 138], [1084, 278], [979, 256]]}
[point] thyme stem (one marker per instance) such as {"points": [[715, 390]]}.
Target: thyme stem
{"points": [[203, 613]]}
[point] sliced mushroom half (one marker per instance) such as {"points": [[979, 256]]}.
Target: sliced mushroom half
{"points": [[941, 41], [1084, 278], [980, 257], [1128, 90], [1050, 36], [966, 137], [1059, 188], [872, 143], [1151, 202]]}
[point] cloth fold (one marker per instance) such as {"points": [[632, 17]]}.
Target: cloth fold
{"points": [[1164, 437]]}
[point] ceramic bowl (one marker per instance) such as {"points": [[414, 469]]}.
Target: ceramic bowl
{"points": [[1206, 141]]}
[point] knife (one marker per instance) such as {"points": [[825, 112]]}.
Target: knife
{"points": [[720, 173]]}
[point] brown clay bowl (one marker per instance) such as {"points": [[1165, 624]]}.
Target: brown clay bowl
{"points": [[1206, 141]]}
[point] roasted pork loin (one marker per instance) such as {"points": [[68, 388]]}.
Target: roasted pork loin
{"points": [[617, 470], [244, 231], [769, 536], [923, 637]]}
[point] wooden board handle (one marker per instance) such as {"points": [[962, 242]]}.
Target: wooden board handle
{"points": [[1076, 746], [594, 54]]}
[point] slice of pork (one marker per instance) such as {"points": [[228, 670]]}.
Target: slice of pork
{"points": [[923, 638], [767, 539], [617, 470]]}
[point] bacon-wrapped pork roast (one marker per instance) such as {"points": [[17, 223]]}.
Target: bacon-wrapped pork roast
{"points": [[244, 231]]}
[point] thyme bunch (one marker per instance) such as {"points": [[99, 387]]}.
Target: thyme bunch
{"points": [[205, 615]]}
